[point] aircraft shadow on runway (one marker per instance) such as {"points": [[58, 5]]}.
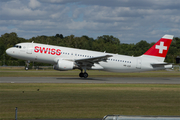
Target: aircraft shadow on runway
{"points": [[83, 79]]}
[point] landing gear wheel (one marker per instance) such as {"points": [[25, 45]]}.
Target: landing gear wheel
{"points": [[26, 68], [81, 74], [85, 75]]}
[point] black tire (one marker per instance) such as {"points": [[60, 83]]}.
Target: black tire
{"points": [[81, 75], [85, 75], [26, 68]]}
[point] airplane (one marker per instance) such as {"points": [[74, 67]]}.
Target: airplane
{"points": [[65, 58]]}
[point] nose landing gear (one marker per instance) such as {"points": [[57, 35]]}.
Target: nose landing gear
{"points": [[27, 64]]}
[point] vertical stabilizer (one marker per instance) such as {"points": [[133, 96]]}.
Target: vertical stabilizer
{"points": [[159, 50]]}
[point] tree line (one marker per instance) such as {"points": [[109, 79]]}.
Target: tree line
{"points": [[107, 43]]}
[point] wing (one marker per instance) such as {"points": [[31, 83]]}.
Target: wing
{"points": [[93, 59], [91, 62]]}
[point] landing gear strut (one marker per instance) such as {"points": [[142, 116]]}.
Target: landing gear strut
{"points": [[27, 65], [81, 74]]}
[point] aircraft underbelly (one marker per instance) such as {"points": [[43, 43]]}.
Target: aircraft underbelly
{"points": [[114, 67], [122, 67]]}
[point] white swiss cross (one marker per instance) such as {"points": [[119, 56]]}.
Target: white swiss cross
{"points": [[161, 47]]}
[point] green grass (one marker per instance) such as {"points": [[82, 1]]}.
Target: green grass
{"points": [[87, 100], [75, 73]]}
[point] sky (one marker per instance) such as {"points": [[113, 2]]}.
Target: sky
{"points": [[129, 20]]}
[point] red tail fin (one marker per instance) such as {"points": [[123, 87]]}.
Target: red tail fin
{"points": [[161, 48]]}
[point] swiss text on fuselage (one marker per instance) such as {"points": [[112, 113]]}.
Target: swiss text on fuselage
{"points": [[44, 50]]}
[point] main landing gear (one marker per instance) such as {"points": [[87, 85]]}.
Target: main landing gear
{"points": [[81, 74]]}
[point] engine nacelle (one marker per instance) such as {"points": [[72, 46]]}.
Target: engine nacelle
{"points": [[63, 65]]}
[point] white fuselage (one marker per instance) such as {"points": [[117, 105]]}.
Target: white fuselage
{"points": [[50, 54]]}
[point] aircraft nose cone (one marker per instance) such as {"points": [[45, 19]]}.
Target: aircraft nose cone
{"points": [[9, 52]]}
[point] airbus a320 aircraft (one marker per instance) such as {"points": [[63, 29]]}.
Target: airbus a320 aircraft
{"points": [[64, 58]]}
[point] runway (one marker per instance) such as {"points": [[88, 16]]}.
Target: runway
{"points": [[123, 80]]}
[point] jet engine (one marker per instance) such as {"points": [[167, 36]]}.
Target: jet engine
{"points": [[63, 65]]}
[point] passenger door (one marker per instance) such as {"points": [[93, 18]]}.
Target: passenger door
{"points": [[29, 49], [138, 65]]}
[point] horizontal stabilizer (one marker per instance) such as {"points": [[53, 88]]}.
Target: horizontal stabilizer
{"points": [[164, 64]]}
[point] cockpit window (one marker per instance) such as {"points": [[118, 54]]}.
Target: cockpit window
{"points": [[17, 46]]}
